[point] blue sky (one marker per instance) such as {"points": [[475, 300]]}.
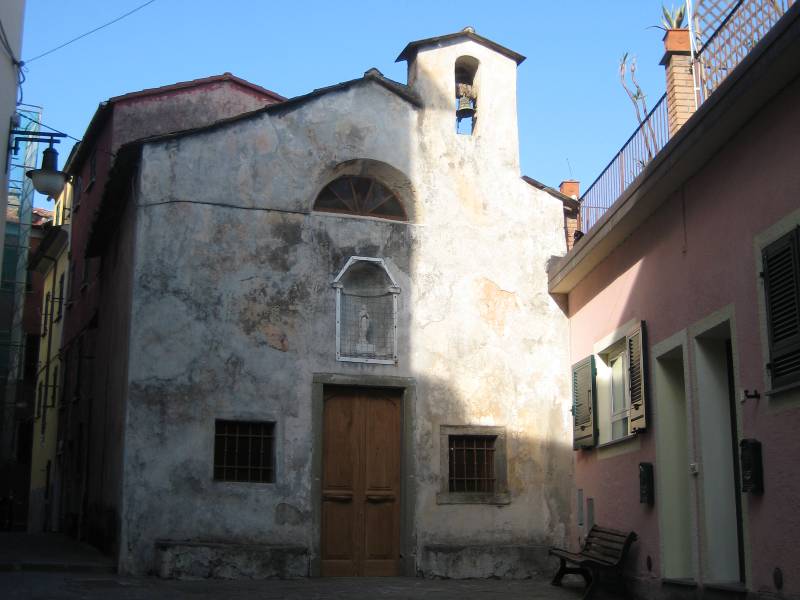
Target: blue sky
{"points": [[570, 103]]}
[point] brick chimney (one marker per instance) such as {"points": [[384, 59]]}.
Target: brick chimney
{"points": [[572, 215], [681, 99]]}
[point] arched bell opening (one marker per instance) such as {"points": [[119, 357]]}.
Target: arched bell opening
{"points": [[466, 94]]}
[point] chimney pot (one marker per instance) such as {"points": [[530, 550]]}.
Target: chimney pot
{"points": [[570, 187]]}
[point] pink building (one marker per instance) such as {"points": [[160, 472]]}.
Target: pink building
{"points": [[684, 307]]}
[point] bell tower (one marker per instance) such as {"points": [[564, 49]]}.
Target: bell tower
{"points": [[468, 85]]}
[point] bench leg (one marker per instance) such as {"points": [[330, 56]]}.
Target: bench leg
{"points": [[563, 569], [591, 580]]}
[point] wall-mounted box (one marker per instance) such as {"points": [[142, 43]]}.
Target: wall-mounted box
{"points": [[647, 493], [752, 468]]}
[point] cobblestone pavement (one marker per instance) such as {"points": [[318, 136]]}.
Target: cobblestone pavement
{"points": [[84, 586]]}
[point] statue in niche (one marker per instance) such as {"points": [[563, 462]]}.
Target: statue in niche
{"points": [[363, 346]]}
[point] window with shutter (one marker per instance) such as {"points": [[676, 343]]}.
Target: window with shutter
{"points": [[583, 408], [637, 365], [781, 261]]}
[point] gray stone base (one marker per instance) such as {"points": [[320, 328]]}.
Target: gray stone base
{"points": [[176, 559], [506, 562]]}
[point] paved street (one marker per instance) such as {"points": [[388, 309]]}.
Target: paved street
{"points": [[85, 586], [55, 567]]}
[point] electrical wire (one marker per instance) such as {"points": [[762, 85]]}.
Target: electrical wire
{"points": [[111, 154], [32, 120], [127, 14]]}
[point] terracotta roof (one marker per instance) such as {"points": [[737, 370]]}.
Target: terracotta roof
{"points": [[411, 49], [198, 82]]}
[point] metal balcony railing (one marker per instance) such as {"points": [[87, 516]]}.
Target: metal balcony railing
{"points": [[639, 150], [735, 26]]}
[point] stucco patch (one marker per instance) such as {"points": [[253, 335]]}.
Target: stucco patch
{"points": [[495, 304]]}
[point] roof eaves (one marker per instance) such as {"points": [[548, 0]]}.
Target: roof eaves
{"points": [[569, 202], [776, 55], [182, 85], [53, 243], [412, 48], [374, 75], [81, 149]]}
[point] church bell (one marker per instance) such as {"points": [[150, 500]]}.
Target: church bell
{"points": [[466, 109]]}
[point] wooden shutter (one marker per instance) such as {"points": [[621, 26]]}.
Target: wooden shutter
{"points": [[637, 379], [583, 394], [782, 290]]}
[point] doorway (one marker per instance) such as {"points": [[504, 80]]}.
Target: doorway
{"points": [[675, 480], [723, 549], [361, 473]]}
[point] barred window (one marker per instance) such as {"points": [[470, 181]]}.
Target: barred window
{"points": [[471, 463], [474, 467], [244, 451], [366, 312]]}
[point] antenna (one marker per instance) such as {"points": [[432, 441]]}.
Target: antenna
{"points": [[569, 166]]}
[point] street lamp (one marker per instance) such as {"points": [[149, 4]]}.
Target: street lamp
{"points": [[48, 180]]}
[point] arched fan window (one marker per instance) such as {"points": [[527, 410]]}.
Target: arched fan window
{"points": [[366, 312], [363, 196]]}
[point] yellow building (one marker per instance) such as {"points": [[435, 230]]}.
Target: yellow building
{"points": [[52, 261]]}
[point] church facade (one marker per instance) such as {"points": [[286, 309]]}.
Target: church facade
{"points": [[338, 353]]}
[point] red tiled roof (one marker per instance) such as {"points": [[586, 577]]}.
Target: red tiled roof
{"points": [[197, 82]]}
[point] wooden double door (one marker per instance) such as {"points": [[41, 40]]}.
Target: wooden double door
{"points": [[361, 482]]}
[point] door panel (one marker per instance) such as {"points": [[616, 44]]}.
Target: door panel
{"points": [[361, 482], [382, 486], [341, 432]]}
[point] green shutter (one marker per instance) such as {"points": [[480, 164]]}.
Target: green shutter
{"points": [[781, 261], [583, 397], [637, 379]]}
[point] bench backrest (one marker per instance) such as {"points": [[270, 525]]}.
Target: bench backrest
{"points": [[608, 545]]}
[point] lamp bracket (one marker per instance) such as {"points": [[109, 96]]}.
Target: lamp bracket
{"points": [[21, 135]]}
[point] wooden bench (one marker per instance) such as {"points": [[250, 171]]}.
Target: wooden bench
{"points": [[603, 551]]}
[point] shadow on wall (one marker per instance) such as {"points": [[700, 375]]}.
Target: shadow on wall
{"points": [[234, 314]]}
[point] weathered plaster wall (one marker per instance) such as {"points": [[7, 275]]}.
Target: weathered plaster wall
{"points": [[178, 110], [233, 314], [99, 406]]}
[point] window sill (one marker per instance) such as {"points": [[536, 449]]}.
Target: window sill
{"points": [[783, 389], [689, 583], [243, 483], [497, 499], [724, 586], [617, 441]]}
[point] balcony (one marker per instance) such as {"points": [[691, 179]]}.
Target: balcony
{"points": [[733, 28]]}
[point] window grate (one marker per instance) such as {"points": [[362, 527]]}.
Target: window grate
{"points": [[471, 467], [244, 451], [367, 324]]}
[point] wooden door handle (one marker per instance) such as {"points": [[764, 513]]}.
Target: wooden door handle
{"points": [[376, 498], [338, 497]]}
